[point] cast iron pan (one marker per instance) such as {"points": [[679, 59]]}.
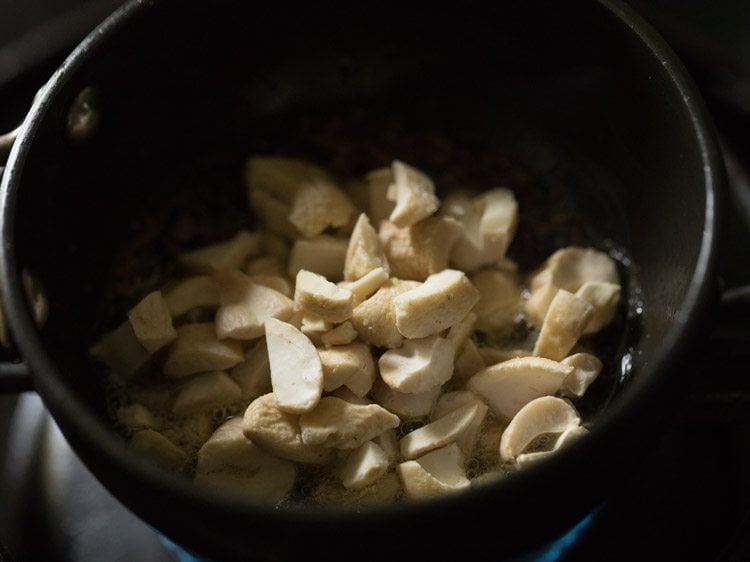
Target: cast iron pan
{"points": [[581, 105]]}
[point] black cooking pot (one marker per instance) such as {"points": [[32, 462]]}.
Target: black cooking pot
{"points": [[160, 106]]}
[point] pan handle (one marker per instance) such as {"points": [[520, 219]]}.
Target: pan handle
{"points": [[720, 391]]}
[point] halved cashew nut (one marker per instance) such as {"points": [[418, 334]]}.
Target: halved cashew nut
{"points": [[443, 300], [296, 371], [566, 318], [441, 432], [450, 402], [566, 437], [435, 474], [604, 297], [417, 366], [507, 387], [542, 415], [278, 432], [586, 368], [342, 425]]}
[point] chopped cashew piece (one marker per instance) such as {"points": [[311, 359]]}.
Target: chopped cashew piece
{"points": [[414, 404], [494, 355], [273, 183], [315, 294], [205, 392], [508, 386], [440, 432], [444, 299], [468, 361], [375, 319], [276, 282], [229, 254], [121, 351], [419, 250], [312, 324], [586, 368], [296, 372], [451, 401], [563, 325], [191, 293], [197, 349], [459, 333], [566, 437], [378, 182], [137, 416], [159, 448], [499, 300], [278, 432], [323, 254], [317, 205], [227, 447], [568, 268], [366, 285], [152, 323], [253, 375], [389, 443], [365, 251], [340, 335], [269, 480], [281, 176], [351, 365], [417, 366], [546, 414], [435, 474], [230, 463], [341, 425], [245, 306], [489, 224], [364, 466], [413, 193], [265, 265], [604, 297]]}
